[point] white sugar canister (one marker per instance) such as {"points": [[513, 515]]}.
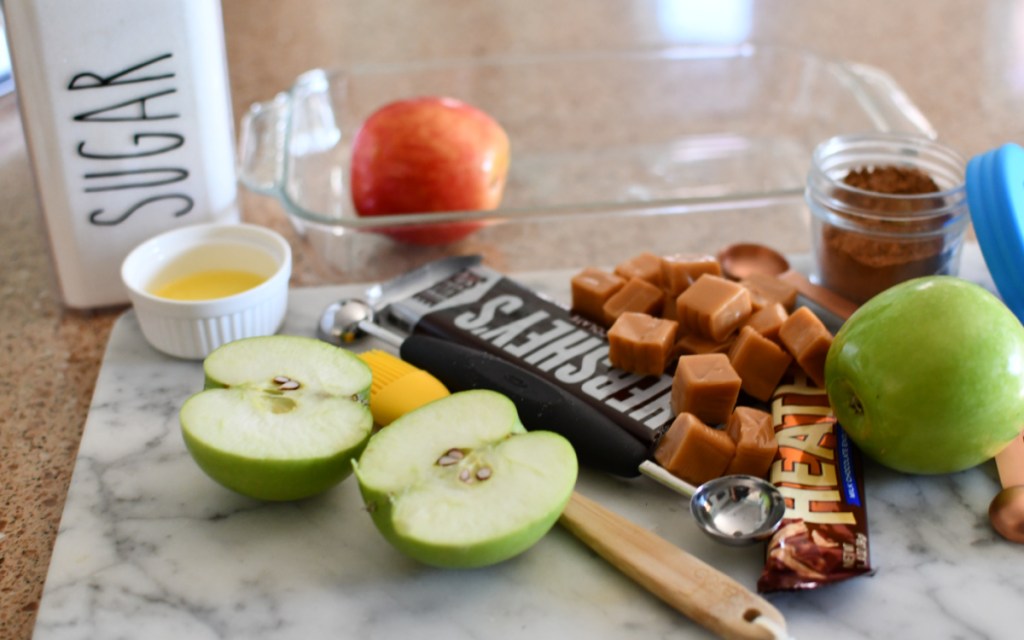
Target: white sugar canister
{"points": [[127, 116]]}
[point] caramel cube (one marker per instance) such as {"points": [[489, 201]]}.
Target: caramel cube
{"points": [[693, 451], [754, 436], [705, 385], [640, 343], [680, 271], [713, 307], [768, 320], [636, 295], [766, 289], [807, 338], [645, 266], [668, 307], [759, 362], [693, 344], [591, 288]]}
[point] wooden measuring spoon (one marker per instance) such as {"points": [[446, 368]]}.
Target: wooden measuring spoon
{"points": [[697, 590], [740, 260], [1007, 509]]}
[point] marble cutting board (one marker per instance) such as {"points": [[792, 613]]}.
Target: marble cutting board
{"points": [[149, 547]]}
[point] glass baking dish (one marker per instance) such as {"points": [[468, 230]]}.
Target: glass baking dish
{"points": [[669, 150]]}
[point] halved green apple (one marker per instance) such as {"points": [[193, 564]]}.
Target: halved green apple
{"points": [[460, 483], [280, 418]]}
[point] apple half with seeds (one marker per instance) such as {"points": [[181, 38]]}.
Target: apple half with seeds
{"points": [[280, 418], [460, 483]]}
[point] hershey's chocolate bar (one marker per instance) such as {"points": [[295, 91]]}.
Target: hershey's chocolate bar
{"points": [[480, 307]]}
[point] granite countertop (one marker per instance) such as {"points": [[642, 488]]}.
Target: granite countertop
{"points": [[958, 60]]}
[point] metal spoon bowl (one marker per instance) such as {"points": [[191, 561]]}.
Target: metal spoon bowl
{"points": [[342, 322], [339, 321], [735, 510], [738, 510]]}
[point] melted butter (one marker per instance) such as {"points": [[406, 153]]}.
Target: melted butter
{"points": [[209, 285]]}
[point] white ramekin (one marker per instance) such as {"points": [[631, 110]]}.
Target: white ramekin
{"points": [[192, 329]]}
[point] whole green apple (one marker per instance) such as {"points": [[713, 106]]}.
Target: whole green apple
{"points": [[428, 154], [928, 376]]}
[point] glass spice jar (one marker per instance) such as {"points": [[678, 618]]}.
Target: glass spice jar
{"points": [[885, 208]]}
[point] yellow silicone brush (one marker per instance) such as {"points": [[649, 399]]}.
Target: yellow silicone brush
{"points": [[398, 387]]}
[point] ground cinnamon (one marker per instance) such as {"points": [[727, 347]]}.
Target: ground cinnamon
{"points": [[878, 240]]}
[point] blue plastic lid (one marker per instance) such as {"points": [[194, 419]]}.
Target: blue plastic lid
{"points": [[995, 195]]}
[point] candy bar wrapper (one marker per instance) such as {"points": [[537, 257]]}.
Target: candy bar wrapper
{"points": [[823, 537], [479, 307]]}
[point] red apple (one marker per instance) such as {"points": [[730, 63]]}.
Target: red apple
{"points": [[428, 154]]}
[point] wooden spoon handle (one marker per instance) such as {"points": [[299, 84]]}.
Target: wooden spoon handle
{"points": [[1010, 463], [825, 298], [698, 590]]}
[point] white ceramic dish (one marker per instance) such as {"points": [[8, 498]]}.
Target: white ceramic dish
{"points": [[192, 329]]}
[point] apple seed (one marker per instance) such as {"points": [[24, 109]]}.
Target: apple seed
{"points": [[451, 457], [284, 383], [466, 474]]}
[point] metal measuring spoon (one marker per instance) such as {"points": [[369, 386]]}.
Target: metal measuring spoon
{"points": [[343, 321], [741, 260], [735, 509]]}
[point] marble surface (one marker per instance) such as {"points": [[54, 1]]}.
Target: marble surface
{"points": [[150, 547], [959, 61]]}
